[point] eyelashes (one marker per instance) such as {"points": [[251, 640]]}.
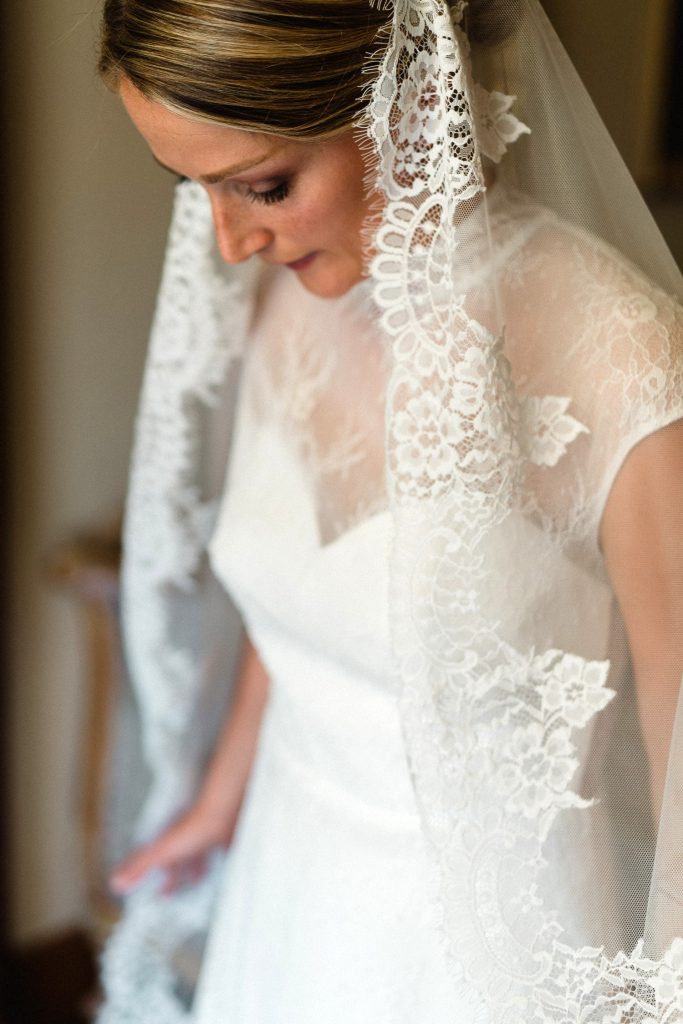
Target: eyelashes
{"points": [[273, 195]]}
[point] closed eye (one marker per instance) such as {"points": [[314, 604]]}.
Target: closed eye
{"points": [[272, 195]]}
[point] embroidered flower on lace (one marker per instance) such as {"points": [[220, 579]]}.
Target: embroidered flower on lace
{"points": [[667, 982], [636, 309], [426, 432], [547, 428], [497, 128], [538, 769], [571, 688], [410, 164], [483, 396], [420, 105], [468, 395], [654, 383]]}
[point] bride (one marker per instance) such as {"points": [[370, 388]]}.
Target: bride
{"points": [[413, 301]]}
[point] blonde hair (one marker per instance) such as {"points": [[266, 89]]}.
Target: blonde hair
{"points": [[286, 67], [293, 68]]}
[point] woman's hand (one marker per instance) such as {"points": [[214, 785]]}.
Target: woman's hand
{"points": [[181, 851]]}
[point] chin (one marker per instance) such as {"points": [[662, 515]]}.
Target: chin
{"points": [[330, 283]]}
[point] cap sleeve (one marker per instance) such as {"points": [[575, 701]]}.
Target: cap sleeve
{"points": [[644, 342], [589, 327]]}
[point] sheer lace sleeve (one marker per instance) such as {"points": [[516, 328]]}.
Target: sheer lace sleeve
{"points": [[586, 326]]}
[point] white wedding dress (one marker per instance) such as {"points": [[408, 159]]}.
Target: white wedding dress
{"points": [[327, 914]]}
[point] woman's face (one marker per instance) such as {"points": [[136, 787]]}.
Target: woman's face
{"points": [[298, 204]]}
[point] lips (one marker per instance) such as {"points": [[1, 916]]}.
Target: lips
{"points": [[304, 262]]}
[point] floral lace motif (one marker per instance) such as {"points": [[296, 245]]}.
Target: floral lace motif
{"points": [[492, 730], [169, 521], [196, 339]]}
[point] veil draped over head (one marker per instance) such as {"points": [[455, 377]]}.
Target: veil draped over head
{"points": [[530, 335]]}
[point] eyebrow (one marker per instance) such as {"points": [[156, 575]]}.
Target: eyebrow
{"points": [[227, 172]]}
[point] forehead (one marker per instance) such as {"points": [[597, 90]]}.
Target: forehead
{"points": [[193, 147]]}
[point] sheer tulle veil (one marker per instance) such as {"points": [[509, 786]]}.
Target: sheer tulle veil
{"points": [[529, 311]]}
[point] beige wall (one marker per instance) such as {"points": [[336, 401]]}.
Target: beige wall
{"points": [[88, 213], [620, 48]]}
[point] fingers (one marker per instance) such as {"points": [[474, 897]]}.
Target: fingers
{"points": [[180, 853], [126, 876], [187, 873]]}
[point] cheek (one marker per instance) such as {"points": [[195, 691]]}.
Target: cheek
{"points": [[330, 210], [341, 211], [308, 217], [322, 220]]}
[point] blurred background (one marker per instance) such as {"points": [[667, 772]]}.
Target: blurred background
{"points": [[85, 212]]}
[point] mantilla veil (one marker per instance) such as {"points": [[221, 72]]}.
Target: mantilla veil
{"points": [[531, 332]]}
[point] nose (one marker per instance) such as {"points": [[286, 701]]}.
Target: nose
{"points": [[239, 235]]}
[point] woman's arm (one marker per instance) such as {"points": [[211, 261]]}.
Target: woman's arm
{"points": [[181, 850], [231, 763], [642, 540]]}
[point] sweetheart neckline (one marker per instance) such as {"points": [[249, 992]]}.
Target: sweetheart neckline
{"points": [[302, 488]]}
